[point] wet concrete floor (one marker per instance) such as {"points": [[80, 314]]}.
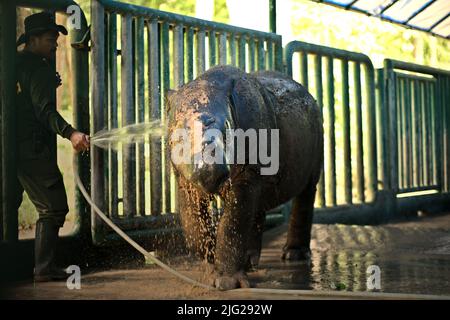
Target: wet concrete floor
{"points": [[413, 258]]}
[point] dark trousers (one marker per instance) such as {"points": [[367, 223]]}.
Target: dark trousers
{"points": [[38, 174]]}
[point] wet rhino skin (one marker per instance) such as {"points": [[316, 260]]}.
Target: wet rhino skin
{"points": [[261, 100]]}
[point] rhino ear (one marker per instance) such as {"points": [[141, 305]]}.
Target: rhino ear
{"points": [[252, 107], [245, 103]]}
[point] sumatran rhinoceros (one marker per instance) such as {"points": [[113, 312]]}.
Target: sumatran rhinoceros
{"points": [[288, 125]]}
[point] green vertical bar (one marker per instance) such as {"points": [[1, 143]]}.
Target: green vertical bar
{"points": [[251, 55], [261, 55], [178, 56], [200, 62], [212, 48], [304, 67], [400, 101], [436, 134], [106, 167], [420, 135], [346, 132], [140, 95], [446, 106], [359, 134], [442, 135], [319, 96], [273, 15], [242, 58], [406, 134], [429, 103], [223, 49], [331, 170], [429, 126], [270, 55], [154, 76], [371, 121], [413, 134], [382, 126], [424, 137], [416, 130], [81, 121], [392, 106], [98, 104], [278, 56], [128, 116], [166, 86], [409, 136], [232, 46], [189, 67], [113, 118]]}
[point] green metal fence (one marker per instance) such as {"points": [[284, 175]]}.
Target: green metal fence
{"points": [[138, 54], [386, 132], [344, 86], [384, 139], [418, 108]]}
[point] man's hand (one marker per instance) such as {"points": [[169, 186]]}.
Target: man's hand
{"points": [[80, 141]]}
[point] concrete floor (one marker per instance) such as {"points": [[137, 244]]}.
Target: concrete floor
{"points": [[413, 257]]}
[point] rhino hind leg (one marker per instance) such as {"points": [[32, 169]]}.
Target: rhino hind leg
{"points": [[297, 246]]}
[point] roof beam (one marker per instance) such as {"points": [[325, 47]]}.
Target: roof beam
{"points": [[350, 4], [388, 6], [439, 22], [420, 10]]}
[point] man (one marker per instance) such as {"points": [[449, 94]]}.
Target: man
{"points": [[38, 122]]}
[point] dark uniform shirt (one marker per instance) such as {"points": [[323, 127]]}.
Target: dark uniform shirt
{"points": [[37, 118], [38, 122]]}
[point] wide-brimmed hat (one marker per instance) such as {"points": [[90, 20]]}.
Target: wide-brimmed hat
{"points": [[40, 22]]}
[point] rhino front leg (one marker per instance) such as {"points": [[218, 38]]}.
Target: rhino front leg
{"points": [[197, 223], [232, 237], [300, 223], [255, 240]]}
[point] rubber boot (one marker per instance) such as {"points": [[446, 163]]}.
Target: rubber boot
{"points": [[44, 251]]}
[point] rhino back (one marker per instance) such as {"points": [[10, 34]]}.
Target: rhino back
{"points": [[299, 120]]}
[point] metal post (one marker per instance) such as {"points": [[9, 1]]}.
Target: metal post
{"points": [[331, 168], [155, 114], [80, 103], [319, 96], [113, 107], [346, 133], [8, 120], [140, 96], [359, 134], [273, 15], [128, 117], [98, 106]]}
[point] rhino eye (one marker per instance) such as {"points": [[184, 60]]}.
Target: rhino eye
{"points": [[207, 119]]}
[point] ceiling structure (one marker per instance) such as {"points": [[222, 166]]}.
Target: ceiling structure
{"points": [[431, 16]]}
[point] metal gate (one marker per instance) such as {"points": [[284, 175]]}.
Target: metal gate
{"points": [[398, 161], [386, 133], [418, 112], [139, 53], [343, 84]]}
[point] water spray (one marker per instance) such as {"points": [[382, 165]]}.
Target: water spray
{"points": [[131, 134]]}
